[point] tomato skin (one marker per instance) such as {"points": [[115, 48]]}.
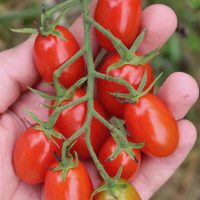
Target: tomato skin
{"points": [[122, 18], [32, 155], [129, 193], [150, 121], [51, 52], [130, 167], [72, 119], [130, 73], [76, 186]]}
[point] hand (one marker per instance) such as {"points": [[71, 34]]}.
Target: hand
{"points": [[18, 71]]}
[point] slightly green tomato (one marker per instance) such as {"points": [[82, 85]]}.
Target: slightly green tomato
{"points": [[129, 193]]}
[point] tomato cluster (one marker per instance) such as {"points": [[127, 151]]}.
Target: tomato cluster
{"points": [[37, 155]]}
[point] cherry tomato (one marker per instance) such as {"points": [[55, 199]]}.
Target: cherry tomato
{"points": [[150, 121], [51, 52], [77, 184], [129, 193], [122, 18], [129, 165], [32, 155], [130, 73], [72, 119]]}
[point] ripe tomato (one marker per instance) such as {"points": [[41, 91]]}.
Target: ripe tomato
{"points": [[150, 121], [129, 193], [129, 165], [76, 186], [51, 52], [122, 18], [72, 119], [130, 73], [32, 155]]}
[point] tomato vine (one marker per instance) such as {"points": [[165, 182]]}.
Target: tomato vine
{"points": [[128, 56]]}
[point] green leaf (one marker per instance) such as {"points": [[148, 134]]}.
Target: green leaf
{"points": [[119, 173], [151, 85], [33, 116], [138, 41], [119, 123], [58, 34], [143, 82], [141, 60], [115, 66], [120, 95], [114, 155], [42, 94], [43, 16], [25, 30]]}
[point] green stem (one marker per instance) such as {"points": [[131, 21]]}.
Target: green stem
{"points": [[121, 81], [90, 88], [54, 116], [61, 7], [120, 47], [112, 128], [70, 141], [62, 68], [99, 166]]}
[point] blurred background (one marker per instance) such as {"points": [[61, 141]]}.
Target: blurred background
{"points": [[181, 53]]}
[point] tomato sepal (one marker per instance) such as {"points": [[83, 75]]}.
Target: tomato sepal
{"points": [[65, 165]]}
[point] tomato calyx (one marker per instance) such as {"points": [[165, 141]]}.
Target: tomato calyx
{"points": [[122, 142], [140, 92], [67, 160], [47, 128], [47, 28], [130, 57], [66, 163], [114, 188], [62, 94]]}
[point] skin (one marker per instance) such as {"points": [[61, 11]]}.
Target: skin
{"points": [[14, 99], [34, 151], [160, 133], [50, 52], [130, 166], [72, 119], [118, 18], [77, 179], [130, 73]]}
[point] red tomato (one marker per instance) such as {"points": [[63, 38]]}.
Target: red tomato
{"points": [[72, 119], [150, 121], [130, 73], [32, 155], [129, 165], [121, 17], [76, 186], [129, 193], [51, 52]]}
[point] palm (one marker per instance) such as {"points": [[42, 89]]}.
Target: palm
{"points": [[153, 173], [11, 187]]}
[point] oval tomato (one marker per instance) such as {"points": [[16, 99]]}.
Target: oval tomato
{"points": [[32, 155], [72, 119], [122, 18], [129, 193], [51, 52], [130, 166], [76, 186], [130, 73], [150, 121]]}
